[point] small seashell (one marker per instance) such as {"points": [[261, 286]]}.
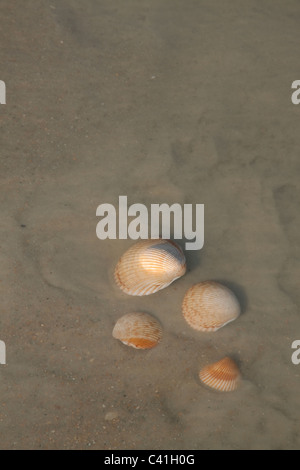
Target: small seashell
{"points": [[207, 306], [223, 375], [138, 330], [148, 266]]}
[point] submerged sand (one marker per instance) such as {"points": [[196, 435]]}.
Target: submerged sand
{"points": [[162, 101]]}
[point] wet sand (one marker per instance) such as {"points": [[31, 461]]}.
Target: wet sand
{"points": [[162, 101]]}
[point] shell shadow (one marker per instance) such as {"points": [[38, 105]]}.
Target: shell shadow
{"points": [[236, 358], [239, 291]]}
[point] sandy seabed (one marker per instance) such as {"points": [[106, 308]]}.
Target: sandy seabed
{"points": [[162, 101]]}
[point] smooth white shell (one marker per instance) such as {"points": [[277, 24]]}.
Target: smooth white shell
{"points": [[207, 306]]}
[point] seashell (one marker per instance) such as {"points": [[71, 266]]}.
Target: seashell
{"points": [[138, 330], [148, 266], [223, 375], [207, 306]]}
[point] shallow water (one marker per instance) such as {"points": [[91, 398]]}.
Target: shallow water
{"points": [[186, 102]]}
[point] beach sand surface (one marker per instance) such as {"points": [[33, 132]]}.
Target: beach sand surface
{"points": [[164, 102]]}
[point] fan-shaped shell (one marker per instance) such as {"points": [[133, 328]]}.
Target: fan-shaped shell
{"points": [[148, 266], [139, 330], [207, 306], [223, 375]]}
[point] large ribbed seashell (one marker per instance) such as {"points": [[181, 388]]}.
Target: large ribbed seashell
{"points": [[138, 330], [207, 306], [223, 375], [149, 265]]}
